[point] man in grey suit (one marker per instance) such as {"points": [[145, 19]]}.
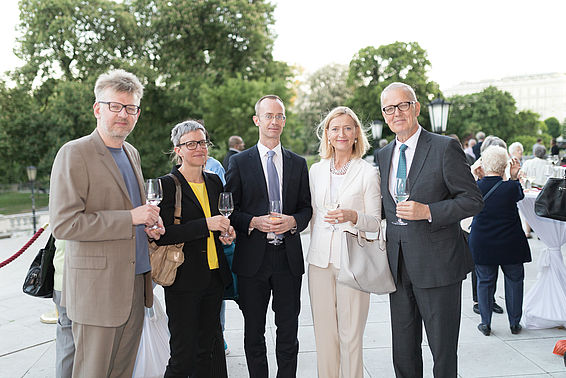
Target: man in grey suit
{"points": [[97, 204], [429, 256]]}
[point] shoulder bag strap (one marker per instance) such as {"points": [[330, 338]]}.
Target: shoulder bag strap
{"points": [[178, 195], [492, 190]]}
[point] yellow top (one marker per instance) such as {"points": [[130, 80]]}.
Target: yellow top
{"points": [[200, 191]]}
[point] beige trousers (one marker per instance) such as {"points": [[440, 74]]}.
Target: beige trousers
{"points": [[339, 315], [108, 351]]}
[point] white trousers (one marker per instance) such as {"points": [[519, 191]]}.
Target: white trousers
{"points": [[339, 314]]}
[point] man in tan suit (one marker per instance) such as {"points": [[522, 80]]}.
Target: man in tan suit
{"points": [[97, 204]]}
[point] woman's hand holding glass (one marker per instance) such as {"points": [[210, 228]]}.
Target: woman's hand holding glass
{"points": [[219, 223], [341, 216]]}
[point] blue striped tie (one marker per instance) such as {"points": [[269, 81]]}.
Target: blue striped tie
{"points": [[402, 167]]}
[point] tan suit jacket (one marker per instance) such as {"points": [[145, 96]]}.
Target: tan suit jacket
{"points": [[89, 206]]}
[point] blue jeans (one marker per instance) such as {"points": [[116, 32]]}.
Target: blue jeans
{"points": [[514, 280]]}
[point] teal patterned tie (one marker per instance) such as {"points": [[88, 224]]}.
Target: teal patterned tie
{"points": [[402, 167]]}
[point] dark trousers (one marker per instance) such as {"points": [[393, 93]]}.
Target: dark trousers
{"points": [[514, 278], [273, 277], [193, 324], [475, 287], [439, 308]]}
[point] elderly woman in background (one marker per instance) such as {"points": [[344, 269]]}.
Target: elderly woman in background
{"points": [[193, 300], [345, 197], [535, 168], [497, 238]]}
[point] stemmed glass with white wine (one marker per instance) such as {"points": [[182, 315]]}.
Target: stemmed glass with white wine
{"points": [[274, 214], [401, 194], [153, 194], [225, 207], [330, 204]]}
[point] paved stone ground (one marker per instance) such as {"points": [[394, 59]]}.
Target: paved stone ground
{"points": [[27, 347]]}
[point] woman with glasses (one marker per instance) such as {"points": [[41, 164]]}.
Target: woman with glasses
{"points": [[193, 300], [345, 196]]}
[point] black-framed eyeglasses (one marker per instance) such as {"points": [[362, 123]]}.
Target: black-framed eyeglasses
{"points": [[192, 144], [278, 117], [403, 106], [116, 107]]}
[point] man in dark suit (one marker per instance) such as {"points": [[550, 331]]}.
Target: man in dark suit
{"points": [[235, 145], [429, 257], [264, 173], [480, 136]]}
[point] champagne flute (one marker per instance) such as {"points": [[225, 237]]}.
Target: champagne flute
{"points": [[330, 204], [274, 213], [225, 207], [401, 194], [153, 194]]}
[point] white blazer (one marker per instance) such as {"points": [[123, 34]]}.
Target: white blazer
{"points": [[360, 191]]}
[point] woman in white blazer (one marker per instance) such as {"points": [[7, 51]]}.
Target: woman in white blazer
{"points": [[344, 181]]}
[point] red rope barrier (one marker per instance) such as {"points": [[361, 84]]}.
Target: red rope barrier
{"points": [[23, 249]]}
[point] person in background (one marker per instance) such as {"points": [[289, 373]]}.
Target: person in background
{"points": [[535, 167], [480, 136], [468, 149], [537, 144], [97, 204], [194, 299], [470, 159], [235, 144], [497, 239], [516, 151], [429, 257], [64, 344], [554, 150], [269, 268], [343, 178]]}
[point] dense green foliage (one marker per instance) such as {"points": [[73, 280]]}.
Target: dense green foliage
{"points": [[208, 60]]}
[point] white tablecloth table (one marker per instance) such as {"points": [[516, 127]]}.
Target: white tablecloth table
{"points": [[544, 306]]}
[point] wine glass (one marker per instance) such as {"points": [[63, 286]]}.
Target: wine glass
{"points": [[225, 207], [401, 194], [153, 194], [274, 213], [330, 204]]}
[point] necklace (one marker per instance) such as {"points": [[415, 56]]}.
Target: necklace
{"points": [[341, 171]]}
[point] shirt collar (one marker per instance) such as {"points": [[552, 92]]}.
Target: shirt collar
{"points": [[411, 143], [263, 150]]}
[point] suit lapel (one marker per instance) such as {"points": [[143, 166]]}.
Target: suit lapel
{"points": [[423, 147], [137, 171], [256, 171], [386, 155], [108, 161], [188, 190], [212, 194], [287, 173]]}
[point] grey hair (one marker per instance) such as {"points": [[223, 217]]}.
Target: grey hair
{"points": [[540, 151], [492, 140], [399, 85], [515, 146], [181, 129], [480, 135], [383, 142], [118, 81], [494, 159]]}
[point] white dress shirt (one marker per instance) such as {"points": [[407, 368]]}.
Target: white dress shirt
{"points": [[277, 160], [411, 144]]}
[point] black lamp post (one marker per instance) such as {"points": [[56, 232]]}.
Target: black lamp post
{"points": [[376, 129], [32, 173], [438, 112]]}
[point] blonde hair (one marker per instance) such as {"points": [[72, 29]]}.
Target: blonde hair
{"points": [[325, 149]]}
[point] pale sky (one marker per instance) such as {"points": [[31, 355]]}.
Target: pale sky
{"points": [[465, 40]]}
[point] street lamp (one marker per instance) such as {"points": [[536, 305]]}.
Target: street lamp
{"points": [[438, 112], [376, 129], [32, 173]]}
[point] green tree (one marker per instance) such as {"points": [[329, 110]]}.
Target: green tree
{"points": [[323, 90], [372, 69], [553, 126]]}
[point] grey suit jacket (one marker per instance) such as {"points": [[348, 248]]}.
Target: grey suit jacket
{"points": [[89, 206], [435, 253]]}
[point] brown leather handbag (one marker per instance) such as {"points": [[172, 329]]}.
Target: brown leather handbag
{"points": [[165, 259]]}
